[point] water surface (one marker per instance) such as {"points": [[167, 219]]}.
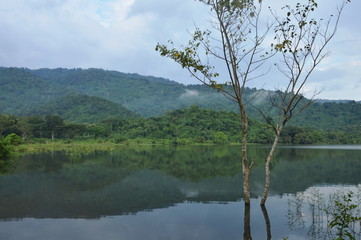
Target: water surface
{"points": [[192, 192]]}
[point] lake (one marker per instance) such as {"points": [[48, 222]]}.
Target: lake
{"points": [[184, 192]]}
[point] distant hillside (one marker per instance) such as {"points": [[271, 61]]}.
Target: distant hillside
{"points": [[330, 115], [83, 109], [147, 96], [21, 90], [195, 122], [44, 91]]}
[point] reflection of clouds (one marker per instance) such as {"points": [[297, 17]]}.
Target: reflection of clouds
{"points": [[189, 193], [312, 209]]}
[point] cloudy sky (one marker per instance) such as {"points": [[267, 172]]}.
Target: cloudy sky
{"points": [[122, 34]]}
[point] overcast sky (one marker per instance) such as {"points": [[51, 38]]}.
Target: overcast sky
{"points": [[122, 34]]}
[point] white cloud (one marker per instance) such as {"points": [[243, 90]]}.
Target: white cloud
{"points": [[189, 94]]}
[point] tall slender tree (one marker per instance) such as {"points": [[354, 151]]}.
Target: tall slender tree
{"points": [[238, 40]]}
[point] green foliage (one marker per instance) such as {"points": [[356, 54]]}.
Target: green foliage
{"points": [[192, 124], [7, 147], [83, 109], [220, 138], [4, 151], [94, 95], [12, 139], [343, 217], [21, 90]]}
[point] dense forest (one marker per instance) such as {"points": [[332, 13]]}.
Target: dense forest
{"points": [[95, 103], [44, 92], [190, 125]]}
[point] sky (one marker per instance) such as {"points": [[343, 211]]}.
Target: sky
{"points": [[122, 34]]}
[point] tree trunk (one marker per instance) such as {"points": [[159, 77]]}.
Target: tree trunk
{"points": [[247, 184], [267, 183], [246, 168]]}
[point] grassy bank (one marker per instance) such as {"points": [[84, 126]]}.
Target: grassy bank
{"points": [[46, 145]]}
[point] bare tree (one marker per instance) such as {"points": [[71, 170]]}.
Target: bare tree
{"points": [[239, 43], [301, 41]]}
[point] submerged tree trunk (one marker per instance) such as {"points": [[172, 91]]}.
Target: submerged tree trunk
{"points": [[247, 235], [246, 167], [267, 183], [267, 221]]}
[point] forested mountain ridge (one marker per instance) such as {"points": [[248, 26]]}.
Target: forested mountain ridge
{"points": [[330, 115], [20, 90], [51, 91], [147, 96], [182, 126], [83, 109]]}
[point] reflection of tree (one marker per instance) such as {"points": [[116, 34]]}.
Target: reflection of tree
{"points": [[247, 222], [312, 210], [316, 203], [358, 209], [247, 233], [295, 215], [267, 221]]}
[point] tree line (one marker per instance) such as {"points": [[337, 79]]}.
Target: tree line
{"points": [[189, 125]]}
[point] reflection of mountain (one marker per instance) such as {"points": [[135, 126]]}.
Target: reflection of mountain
{"points": [[102, 184]]}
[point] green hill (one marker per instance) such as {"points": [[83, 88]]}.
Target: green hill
{"points": [[330, 115], [148, 96], [20, 90], [83, 109], [25, 91]]}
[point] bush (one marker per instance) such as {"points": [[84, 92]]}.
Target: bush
{"points": [[5, 150], [13, 140], [220, 138]]}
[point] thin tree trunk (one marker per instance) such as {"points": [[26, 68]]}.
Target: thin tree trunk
{"points": [[246, 168], [246, 185], [267, 167]]}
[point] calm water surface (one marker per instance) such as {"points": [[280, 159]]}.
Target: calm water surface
{"points": [[192, 192]]}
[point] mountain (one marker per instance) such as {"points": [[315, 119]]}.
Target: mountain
{"points": [[20, 90], [83, 109], [330, 115], [43, 91], [147, 96]]}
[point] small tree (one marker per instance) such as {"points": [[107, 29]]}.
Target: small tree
{"points": [[220, 138], [54, 125], [239, 44], [6, 150], [301, 41]]}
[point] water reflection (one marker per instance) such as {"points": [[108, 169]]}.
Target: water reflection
{"points": [[247, 232], [311, 210], [247, 222], [267, 221], [174, 193]]}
